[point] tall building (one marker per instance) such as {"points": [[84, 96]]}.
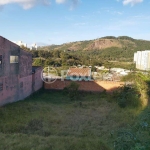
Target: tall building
{"points": [[34, 46], [142, 60], [20, 43]]}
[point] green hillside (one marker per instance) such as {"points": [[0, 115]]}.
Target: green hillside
{"points": [[109, 47], [93, 52]]}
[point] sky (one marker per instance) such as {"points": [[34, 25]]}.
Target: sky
{"points": [[47, 22]]}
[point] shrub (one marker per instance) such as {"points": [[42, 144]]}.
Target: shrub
{"points": [[128, 96], [125, 140], [72, 90]]}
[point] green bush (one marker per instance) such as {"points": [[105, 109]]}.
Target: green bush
{"points": [[72, 90], [125, 140], [128, 97]]}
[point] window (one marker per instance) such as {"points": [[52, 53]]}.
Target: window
{"points": [[13, 59], [0, 59], [1, 86]]}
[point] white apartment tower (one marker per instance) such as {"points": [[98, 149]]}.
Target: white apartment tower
{"points": [[20, 43], [142, 60], [34, 46]]}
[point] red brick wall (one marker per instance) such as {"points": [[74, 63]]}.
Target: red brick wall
{"points": [[89, 86]]}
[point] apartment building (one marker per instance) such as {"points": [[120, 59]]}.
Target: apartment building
{"points": [[18, 79], [20, 43], [142, 60]]}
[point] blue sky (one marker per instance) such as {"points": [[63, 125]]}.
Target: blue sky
{"points": [[49, 22]]}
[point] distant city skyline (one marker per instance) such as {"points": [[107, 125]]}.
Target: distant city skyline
{"points": [[47, 22]]}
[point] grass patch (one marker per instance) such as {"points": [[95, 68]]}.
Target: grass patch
{"points": [[50, 120], [27, 142]]}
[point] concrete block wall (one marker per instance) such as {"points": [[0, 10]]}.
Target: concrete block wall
{"points": [[36, 80], [25, 64], [16, 78], [7, 48], [25, 87], [10, 89]]}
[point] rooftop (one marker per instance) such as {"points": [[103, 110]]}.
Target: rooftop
{"points": [[79, 72]]}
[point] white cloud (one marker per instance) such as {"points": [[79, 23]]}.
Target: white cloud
{"points": [[26, 4], [72, 3], [132, 2], [60, 1]]}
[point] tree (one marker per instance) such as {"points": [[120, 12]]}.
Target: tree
{"points": [[38, 62], [25, 48], [64, 57]]}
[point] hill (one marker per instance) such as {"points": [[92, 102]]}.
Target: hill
{"points": [[122, 42], [102, 51], [107, 48]]}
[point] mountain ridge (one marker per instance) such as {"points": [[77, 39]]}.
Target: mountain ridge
{"points": [[121, 42]]}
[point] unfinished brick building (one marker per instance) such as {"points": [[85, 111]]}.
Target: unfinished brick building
{"points": [[18, 79]]}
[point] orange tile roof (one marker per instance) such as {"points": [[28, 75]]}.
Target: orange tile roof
{"points": [[79, 72]]}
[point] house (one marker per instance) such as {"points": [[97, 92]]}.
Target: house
{"points": [[17, 78], [79, 74]]}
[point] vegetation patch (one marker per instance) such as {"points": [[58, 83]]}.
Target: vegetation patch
{"points": [[50, 120], [72, 90]]}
